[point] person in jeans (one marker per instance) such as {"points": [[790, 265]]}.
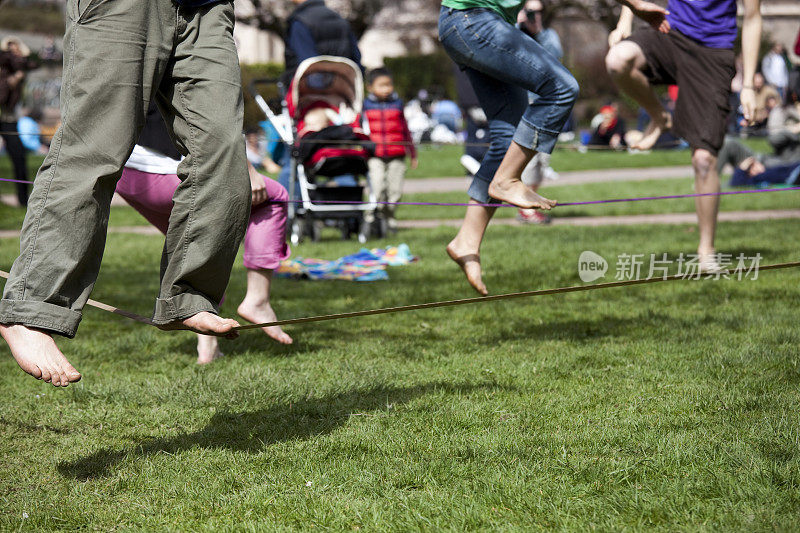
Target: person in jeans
{"points": [[14, 65], [119, 55], [531, 21], [503, 64]]}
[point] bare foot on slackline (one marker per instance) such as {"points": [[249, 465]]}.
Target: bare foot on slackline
{"points": [[514, 192], [37, 354], [653, 131], [207, 349], [260, 312], [205, 323], [470, 263]]}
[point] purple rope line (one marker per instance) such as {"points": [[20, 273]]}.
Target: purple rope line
{"points": [[565, 204], [16, 181]]}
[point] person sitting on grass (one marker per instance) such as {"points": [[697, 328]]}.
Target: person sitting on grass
{"points": [[257, 155], [148, 183], [383, 113], [783, 127], [610, 130], [753, 169]]}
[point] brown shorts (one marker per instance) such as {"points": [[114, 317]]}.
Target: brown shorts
{"points": [[703, 76]]}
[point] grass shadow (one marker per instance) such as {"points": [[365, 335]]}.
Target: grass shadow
{"points": [[252, 431]]}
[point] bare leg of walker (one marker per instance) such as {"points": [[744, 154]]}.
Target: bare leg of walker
{"points": [[706, 181], [256, 308], [625, 62], [465, 248]]}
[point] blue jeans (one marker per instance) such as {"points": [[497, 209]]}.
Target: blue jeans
{"points": [[503, 64]]}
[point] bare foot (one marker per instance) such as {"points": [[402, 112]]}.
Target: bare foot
{"points": [[37, 354], [517, 193], [654, 131], [708, 264], [207, 349], [207, 324], [260, 312], [470, 263]]}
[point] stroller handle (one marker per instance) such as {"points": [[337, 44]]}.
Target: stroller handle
{"points": [[255, 83]]}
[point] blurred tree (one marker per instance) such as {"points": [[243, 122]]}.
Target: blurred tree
{"points": [[604, 11], [271, 15]]}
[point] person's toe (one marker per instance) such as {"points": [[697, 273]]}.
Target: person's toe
{"points": [[35, 371]]}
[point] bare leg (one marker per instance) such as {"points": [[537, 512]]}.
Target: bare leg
{"points": [[507, 183], [255, 307], [465, 248], [624, 63], [37, 354], [706, 180], [207, 349]]}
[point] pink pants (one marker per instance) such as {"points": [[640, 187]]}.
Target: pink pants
{"points": [[264, 244]]}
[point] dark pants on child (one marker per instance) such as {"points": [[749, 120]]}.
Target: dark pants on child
{"points": [[16, 152]]}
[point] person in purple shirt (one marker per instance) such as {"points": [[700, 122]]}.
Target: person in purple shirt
{"points": [[697, 55]]}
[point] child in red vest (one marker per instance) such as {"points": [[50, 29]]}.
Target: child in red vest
{"points": [[383, 111]]}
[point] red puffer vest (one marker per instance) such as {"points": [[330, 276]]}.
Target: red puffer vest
{"points": [[388, 128]]}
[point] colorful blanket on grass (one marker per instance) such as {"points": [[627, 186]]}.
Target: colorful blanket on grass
{"points": [[366, 265]]}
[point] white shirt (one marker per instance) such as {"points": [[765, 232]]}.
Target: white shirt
{"points": [[147, 160], [774, 69]]}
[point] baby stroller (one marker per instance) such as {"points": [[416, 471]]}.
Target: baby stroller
{"points": [[321, 123]]}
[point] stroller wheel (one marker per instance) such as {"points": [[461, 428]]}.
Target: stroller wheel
{"points": [[364, 231], [344, 227], [313, 229], [296, 234]]}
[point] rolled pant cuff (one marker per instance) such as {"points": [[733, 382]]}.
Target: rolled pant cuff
{"points": [[535, 138], [265, 262], [40, 315], [479, 191], [181, 307]]}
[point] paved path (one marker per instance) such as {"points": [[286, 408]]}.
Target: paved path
{"points": [[567, 178], [622, 220]]}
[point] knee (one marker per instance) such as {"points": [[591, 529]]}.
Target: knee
{"points": [[571, 89], [703, 162], [619, 60]]}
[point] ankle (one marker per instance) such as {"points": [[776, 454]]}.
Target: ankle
{"points": [[254, 301]]}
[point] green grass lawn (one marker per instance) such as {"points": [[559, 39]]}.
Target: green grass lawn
{"points": [[664, 407], [439, 161]]}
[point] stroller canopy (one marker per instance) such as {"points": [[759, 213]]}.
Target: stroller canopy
{"points": [[336, 81]]}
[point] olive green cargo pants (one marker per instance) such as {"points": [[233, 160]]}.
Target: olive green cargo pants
{"points": [[118, 55]]}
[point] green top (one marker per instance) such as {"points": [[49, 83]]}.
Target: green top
{"points": [[507, 9]]}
